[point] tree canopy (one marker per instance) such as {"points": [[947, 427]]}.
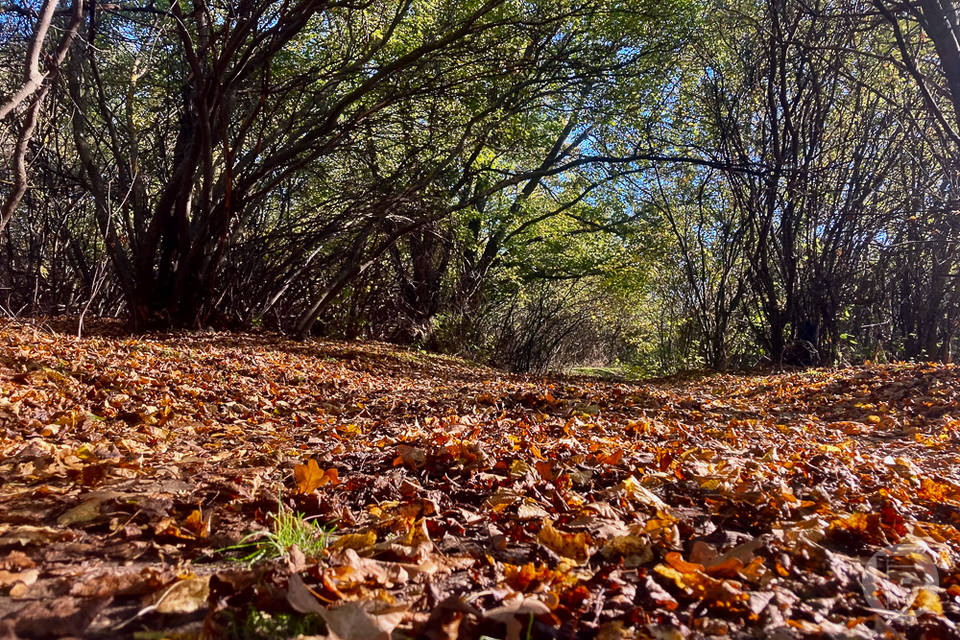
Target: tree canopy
{"points": [[658, 185]]}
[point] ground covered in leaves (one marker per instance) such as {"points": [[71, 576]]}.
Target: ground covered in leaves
{"points": [[445, 500]]}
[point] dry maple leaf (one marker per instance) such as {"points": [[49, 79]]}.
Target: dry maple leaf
{"points": [[310, 477]]}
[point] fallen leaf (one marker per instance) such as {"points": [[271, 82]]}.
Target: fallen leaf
{"points": [[358, 541], [641, 494], [300, 597], [26, 577], [635, 550], [515, 605], [17, 560], [186, 596], [927, 600], [569, 545], [197, 524], [58, 617], [362, 621], [27, 535], [413, 457], [309, 477], [82, 513]]}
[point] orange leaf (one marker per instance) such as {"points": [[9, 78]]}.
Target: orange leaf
{"points": [[727, 568], [333, 476], [196, 523], [611, 458], [545, 469], [676, 561], [309, 476]]}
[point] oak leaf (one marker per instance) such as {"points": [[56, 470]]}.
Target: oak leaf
{"points": [[310, 476]]}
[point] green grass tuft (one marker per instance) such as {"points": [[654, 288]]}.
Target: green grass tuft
{"points": [[289, 528]]}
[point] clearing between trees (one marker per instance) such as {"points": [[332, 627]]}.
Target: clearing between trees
{"points": [[401, 494]]}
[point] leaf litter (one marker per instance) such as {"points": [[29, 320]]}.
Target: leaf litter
{"points": [[460, 502]]}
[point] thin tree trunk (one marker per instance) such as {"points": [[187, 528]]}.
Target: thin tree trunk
{"points": [[35, 87], [32, 78], [19, 163]]}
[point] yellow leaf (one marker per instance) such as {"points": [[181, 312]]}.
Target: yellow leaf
{"points": [[569, 545], [928, 601], [356, 541], [85, 452], [519, 469]]}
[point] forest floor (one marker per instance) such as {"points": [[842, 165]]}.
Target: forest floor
{"points": [[446, 500]]}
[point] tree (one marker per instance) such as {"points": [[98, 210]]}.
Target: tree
{"points": [[32, 92], [816, 202]]}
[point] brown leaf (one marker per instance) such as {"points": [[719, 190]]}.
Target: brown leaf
{"points": [[300, 597], [545, 469], [26, 577], [17, 560], [413, 457], [110, 583], [59, 617], [82, 513], [362, 621], [27, 535], [635, 550], [355, 569], [517, 605], [186, 596]]}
